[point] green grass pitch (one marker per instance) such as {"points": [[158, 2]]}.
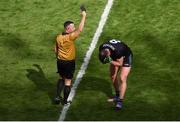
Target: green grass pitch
{"points": [[28, 29]]}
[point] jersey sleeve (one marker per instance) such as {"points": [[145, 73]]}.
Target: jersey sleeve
{"points": [[74, 35], [57, 39]]}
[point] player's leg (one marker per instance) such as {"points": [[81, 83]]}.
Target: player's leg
{"points": [[60, 82], [60, 86], [123, 81], [67, 89], [125, 70], [113, 74], [123, 84], [69, 71]]}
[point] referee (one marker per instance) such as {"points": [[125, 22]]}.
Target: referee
{"points": [[65, 51]]}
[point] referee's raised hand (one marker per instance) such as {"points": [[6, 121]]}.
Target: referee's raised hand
{"points": [[83, 10]]}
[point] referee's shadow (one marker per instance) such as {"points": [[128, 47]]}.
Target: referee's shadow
{"points": [[37, 75], [97, 84]]}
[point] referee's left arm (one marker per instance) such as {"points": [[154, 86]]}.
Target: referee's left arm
{"points": [[56, 49]]}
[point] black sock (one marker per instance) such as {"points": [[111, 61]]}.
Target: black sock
{"points": [[67, 90], [121, 100], [117, 93], [60, 86]]}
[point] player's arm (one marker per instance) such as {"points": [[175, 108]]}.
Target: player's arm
{"points": [[83, 19], [118, 62], [56, 49], [82, 22]]}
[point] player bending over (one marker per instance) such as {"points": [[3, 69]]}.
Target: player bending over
{"points": [[119, 56]]}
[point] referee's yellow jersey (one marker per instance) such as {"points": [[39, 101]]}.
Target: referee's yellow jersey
{"points": [[65, 46]]}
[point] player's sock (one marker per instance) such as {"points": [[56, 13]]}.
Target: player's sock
{"points": [[67, 90], [121, 100], [117, 93], [60, 86]]}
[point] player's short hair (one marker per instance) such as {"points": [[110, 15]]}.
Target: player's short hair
{"points": [[102, 56], [67, 23]]}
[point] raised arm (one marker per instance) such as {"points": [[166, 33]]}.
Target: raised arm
{"points": [[83, 19], [76, 33]]}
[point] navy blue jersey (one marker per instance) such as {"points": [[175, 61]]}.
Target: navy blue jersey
{"points": [[117, 48]]}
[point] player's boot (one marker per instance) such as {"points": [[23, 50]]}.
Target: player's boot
{"points": [[67, 102], [119, 105], [57, 100], [116, 98]]}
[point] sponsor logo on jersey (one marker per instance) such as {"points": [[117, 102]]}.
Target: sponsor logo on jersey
{"points": [[108, 45]]}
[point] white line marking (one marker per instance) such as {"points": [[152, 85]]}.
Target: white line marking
{"points": [[84, 66]]}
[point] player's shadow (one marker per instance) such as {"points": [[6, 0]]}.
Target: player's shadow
{"points": [[38, 77], [99, 84]]}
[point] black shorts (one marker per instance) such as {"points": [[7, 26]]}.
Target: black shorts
{"points": [[127, 61], [66, 68]]}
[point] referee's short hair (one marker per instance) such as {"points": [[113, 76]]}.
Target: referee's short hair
{"points": [[67, 23]]}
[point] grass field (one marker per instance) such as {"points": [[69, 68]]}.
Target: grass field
{"points": [[152, 30], [28, 66], [28, 29]]}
